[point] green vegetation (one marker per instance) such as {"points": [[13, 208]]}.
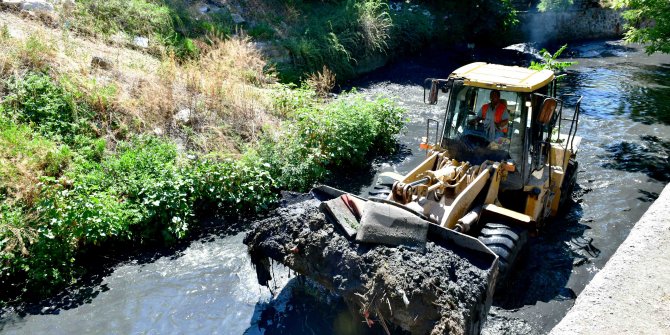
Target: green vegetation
{"points": [[316, 138], [647, 23], [168, 24], [73, 178], [549, 61], [342, 35]]}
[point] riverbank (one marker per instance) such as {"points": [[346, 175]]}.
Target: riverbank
{"points": [[630, 294], [103, 146]]}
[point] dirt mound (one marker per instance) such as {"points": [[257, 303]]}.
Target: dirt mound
{"points": [[438, 292]]}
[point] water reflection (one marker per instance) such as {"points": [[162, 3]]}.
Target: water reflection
{"points": [[639, 92]]}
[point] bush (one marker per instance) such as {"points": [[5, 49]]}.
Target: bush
{"points": [[35, 99], [554, 5], [25, 157], [353, 31], [319, 138]]}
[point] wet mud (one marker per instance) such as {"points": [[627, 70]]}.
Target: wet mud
{"points": [[440, 291]]}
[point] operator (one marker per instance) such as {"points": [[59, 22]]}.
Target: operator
{"points": [[495, 123]]}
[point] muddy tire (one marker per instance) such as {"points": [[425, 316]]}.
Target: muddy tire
{"points": [[568, 184], [506, 241]]}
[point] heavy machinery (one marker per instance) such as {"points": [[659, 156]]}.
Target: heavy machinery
{"points": [[475, 198], [494, 186], [497, 188]]}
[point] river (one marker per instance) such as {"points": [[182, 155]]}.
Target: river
{"points": [[208, 286]]}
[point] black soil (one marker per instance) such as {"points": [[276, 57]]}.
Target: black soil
{"points": [[437, 292]]}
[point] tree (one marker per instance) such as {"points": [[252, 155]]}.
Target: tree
{"points": [[647, 22]]}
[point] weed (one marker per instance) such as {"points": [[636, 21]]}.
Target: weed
{"points": [[549, 61], [321, 82], [554, 5], [37, 100], [319, 138], [133, 17]]}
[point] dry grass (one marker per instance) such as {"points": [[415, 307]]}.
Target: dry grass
{"points": [[24, 158], [322, 82], [223, 93], [210, 103]]}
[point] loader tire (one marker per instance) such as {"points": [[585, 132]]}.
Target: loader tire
{"points": [[506, 241], [568, 184]]}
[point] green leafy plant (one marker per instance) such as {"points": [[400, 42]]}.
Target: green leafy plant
{"points": [[319, 138], [37, 100], [646, 23], [550, 62]]}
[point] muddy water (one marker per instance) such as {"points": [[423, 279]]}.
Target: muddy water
{"points": [[209, 286]]}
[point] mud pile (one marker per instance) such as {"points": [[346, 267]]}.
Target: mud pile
{"points": [[438, 292]]}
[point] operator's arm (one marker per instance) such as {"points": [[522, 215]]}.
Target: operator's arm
{"points": [[505, 120], [479, 117]]}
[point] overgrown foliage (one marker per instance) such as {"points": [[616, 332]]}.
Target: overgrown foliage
{"points": [[168, 24], [317, 138], [79, 170], [647, 23], [344, 35]]}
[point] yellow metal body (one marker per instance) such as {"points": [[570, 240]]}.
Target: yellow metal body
{"points": [[507, 78]]}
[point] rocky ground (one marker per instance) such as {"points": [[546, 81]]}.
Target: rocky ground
{"points": [[439, 292]]}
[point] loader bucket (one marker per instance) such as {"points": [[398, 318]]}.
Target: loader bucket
{"points": [[464, 245], [480, 255]]}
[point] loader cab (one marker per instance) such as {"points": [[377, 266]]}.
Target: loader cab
{"points": [[468, 89]]}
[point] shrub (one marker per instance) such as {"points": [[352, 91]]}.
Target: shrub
{"points": [[35, 99], [554, 5], [25, 156], [318, 138]]}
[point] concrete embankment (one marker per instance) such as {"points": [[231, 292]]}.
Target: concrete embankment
{"points": [[631, 294]]}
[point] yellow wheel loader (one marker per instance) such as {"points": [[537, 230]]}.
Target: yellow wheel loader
{"points": [[489, 178]]}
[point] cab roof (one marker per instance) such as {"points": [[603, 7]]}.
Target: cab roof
{"points": [[502, 77]]}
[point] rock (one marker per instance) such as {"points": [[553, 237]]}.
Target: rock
{"points": [[37, 6], [237, 18], [183, 116], [158, 131], [30, 6], [203, 9], [141, 42], [101, 63]]}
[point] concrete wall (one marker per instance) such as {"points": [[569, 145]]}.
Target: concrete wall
{"points": [[631, 294], [589, 23]]}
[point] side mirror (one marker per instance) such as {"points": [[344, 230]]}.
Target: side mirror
{"points": [[547, 111], [432, 96], [436, 85]]}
